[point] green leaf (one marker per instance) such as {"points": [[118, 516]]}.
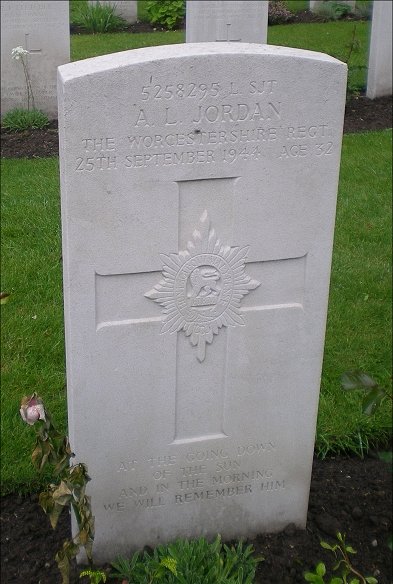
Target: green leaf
{"points": [[371, 580], [4, 297], [372, 400], [310, 577], [357, 380], [350, 549], [321, 569], [327, 546], [336, 580]]}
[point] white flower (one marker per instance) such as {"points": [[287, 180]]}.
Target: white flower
{"points": [[32, 409], [18, 52]]}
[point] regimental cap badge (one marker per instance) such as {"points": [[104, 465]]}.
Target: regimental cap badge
{"points": [[202, 287]]}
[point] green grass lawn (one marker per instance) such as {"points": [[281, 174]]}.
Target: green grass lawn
{"points": [[358, 334], [333, 38]]}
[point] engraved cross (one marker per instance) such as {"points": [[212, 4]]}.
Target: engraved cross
{"points": [[228, 35], [205, 288], [31, 51]]}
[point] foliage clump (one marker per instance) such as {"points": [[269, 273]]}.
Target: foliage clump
{"points": [[166, 13], [190, 562], [98, 18], [52, 449], [279, 13], [343, 566], [19, 119]]}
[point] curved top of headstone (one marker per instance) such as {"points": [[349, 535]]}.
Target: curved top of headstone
{"points": [[151, 54]]}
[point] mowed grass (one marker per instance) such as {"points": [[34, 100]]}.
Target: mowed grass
{"points": [[333, 38], [32, 320], [360, 314], [358, 334]]}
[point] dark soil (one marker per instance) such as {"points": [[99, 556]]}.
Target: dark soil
{"points": [[361, 114], [349, 495]]}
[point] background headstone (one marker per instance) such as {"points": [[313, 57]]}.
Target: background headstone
{"points": [[226, 20], [198, 205], [379, 77], [315, 3], [42, 27], [127, 9]]}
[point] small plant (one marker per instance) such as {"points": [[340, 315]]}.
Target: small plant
{"points": [[190, 562], [341, 552], [52, 448], [374, 394], [166, 13], [278, 13], [19, 120], [98, 18], [96, 576]]}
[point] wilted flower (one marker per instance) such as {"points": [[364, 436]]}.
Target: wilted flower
{"points": [[32, 409], [18, 52]]}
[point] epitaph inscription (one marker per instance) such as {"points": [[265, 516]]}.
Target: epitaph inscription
{"points": [[203, 287]]}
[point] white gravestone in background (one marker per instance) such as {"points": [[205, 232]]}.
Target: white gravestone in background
{"points": [[198, 206], [41, 27], [127, 9], [226, 20], [379, 78], [314, 4]]}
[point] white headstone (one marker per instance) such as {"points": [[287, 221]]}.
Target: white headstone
{"points": [[379, 77], [198, 205], [42, 28], [314, 4], [127, 9], [226, 20]]}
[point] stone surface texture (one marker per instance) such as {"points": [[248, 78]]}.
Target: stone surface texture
{"points": [[229, 20], [127, 9], [198, 206], [379, 77], [42, 27]]}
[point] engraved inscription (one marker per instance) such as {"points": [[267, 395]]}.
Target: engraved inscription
{"points": [[203, 287], [197, 476], [226, 124]]}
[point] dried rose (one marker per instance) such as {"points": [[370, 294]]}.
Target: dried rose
{"points": [[32, 409]]}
